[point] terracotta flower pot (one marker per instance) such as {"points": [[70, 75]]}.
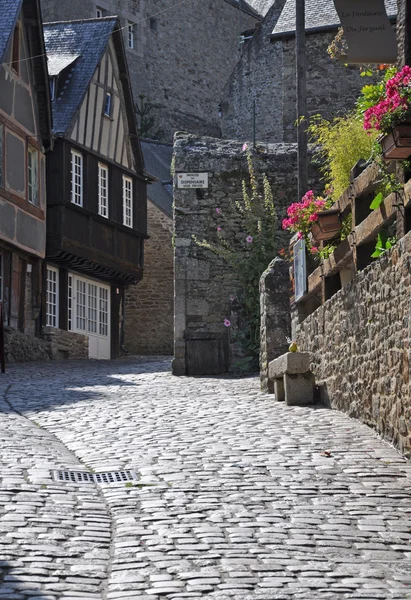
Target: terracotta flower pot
{"points": [[397, 144], [327, 225]]}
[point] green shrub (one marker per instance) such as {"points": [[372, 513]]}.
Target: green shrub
{"points": [[342, 143]]}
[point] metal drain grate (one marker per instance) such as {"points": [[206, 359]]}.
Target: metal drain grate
{"points": [[84, 477]]}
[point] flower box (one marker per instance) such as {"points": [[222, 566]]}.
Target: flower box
{"points": [[327, 225], [397, 145]]}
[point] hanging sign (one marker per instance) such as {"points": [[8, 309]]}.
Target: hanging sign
{"points": [[300, 270], [192, 180], [370, 36]]}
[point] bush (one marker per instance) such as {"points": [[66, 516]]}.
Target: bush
{"points": [[342, 143]]}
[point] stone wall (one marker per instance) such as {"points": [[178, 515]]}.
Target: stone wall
{"points": [[204, 282], [360, 346], [149, 305], [183, 55], [256, 81], [266, 73], [54, 344]]}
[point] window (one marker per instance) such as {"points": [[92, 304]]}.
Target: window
{"points": [[92, 308], [53, 88], [102, 190], [131, 34], [99, 12], [153, 24], [81, 304], [76, 178], [107, 106], [127, 201], [32, 176], [103, 317], [52, 299], [70, 303], [1, 278], [15, 50]]}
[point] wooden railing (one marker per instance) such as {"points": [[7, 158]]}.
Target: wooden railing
{"points": [[354, 253]]}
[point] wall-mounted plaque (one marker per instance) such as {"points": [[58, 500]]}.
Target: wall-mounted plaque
{"points": [[300, 270], [370, 36]]}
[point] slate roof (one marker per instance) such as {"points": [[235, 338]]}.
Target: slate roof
{"points": [[261, 6], [88, 39], [319, 14], [58, 62], [10, 10], [157, 160]]}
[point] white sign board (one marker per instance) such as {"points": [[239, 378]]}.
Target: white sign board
{"points": [[370, 36], [300, 270], [187, 181]]}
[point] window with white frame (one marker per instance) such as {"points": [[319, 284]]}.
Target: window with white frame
{"points": [[52, 297], [127, 201], [33, 176], [99, 12], [1, 277], [76, 178], [107, 105], [70, 303], [102, 190], [131, 35]]}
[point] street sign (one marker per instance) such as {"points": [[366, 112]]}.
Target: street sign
{"points": [[370, 36], [300, 270], [187, 181]]}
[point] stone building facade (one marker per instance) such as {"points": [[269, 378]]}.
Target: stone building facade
{"points": [[149, 305], [179, 54], [266, 75]]}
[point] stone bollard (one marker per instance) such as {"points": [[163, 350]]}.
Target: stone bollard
{"points": [[293, 380]]}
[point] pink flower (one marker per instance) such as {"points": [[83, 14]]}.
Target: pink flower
{"points": [[218, 211], [245, 147], [313, 217], [218, 228], [249, 239], [314, 250], [227, 323], [299, 235]]}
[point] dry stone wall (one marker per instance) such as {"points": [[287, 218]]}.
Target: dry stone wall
{"points": [[149, 305], [359, 342], [203, 282]]}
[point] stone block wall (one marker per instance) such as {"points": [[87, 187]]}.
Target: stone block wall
{"points": [[204, 282], [149, 305], [257, 80], [54, 344], [359, 342], [66, 345], [266, 74]]}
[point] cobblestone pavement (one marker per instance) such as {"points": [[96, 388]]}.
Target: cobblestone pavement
{"points": [[237, 497]]}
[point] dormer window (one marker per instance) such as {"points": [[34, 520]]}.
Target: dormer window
{"points": [[107, 107], [15, 50], [100, 12], [53, 88]]}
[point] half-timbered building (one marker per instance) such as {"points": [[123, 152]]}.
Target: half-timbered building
{"points": [[25, 135], [97, 207]]}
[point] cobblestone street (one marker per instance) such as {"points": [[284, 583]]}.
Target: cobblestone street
{"points": [[236, 497]]}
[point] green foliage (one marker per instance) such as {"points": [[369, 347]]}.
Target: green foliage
{"points": [[379, 198], [383, 243], [248, 253], [372, 94], [342, 143]]}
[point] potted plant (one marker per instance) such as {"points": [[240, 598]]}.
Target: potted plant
{"points": [[312, 217], [327, 225], [391, 115]]}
